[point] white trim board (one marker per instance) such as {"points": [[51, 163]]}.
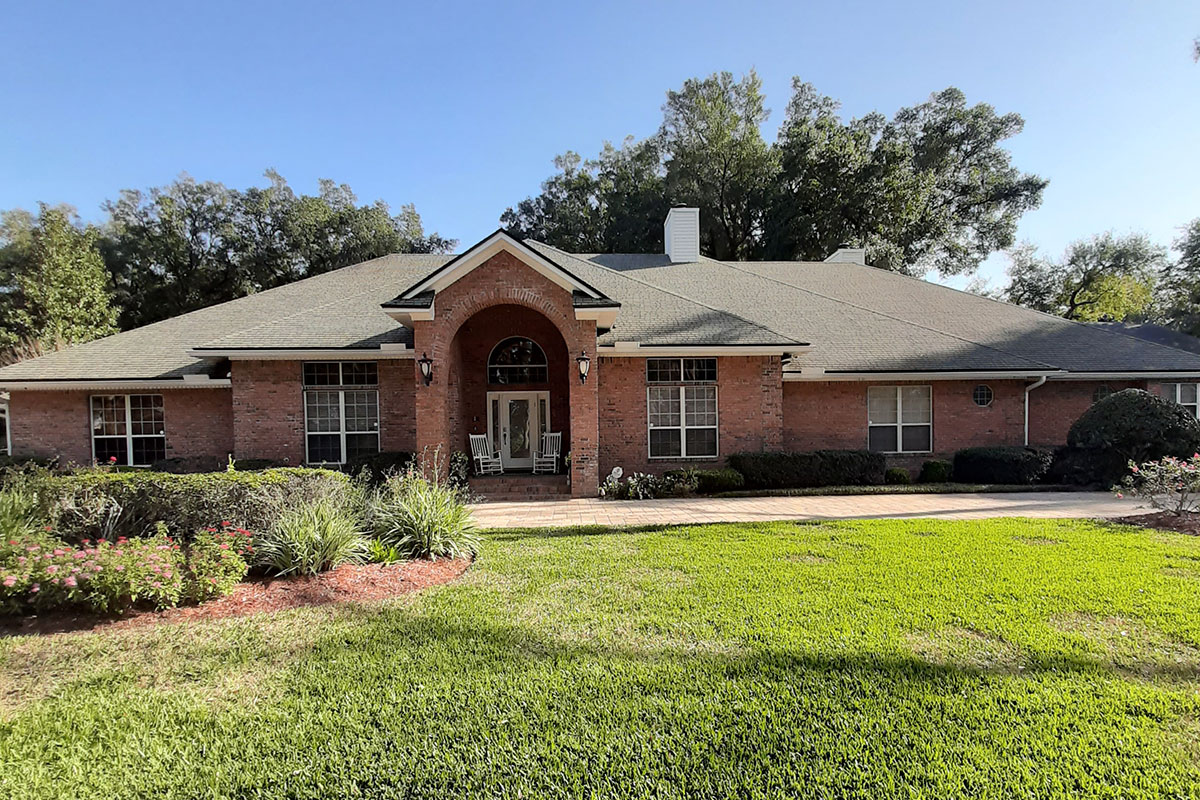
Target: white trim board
{"points": [[320, 354], [886, 377], [636, 350], [115, 385], [496, 243]]}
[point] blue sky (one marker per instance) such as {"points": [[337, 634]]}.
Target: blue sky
{"points": [[460, 108]]}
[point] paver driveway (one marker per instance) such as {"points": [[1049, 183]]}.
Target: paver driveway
{"points": [[555, 513]]}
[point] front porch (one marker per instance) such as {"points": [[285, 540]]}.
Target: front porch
{"points": [[519, 486]]}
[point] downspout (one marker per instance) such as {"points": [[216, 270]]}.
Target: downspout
{"points": [[1029, 388]]}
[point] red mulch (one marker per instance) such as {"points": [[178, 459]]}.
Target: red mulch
{"points": [[347, 584], [1165, 521]]}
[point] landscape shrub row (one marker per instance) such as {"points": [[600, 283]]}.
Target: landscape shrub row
{"points": [[816, 468]]}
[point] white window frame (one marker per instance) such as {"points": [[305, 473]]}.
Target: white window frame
{"points": [[129, 435], [683, 427], [7, 431], [1177, 391], [900, 424], [340, 390]]}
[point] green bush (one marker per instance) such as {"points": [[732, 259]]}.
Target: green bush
{"points": [[897, 476], [255, 464], [715, 481], [216, 562], [101, 504], [1131, 425], [20, 513], [311, 537], [1075, 466], [184, 465], [1010, 465], [802, 470], [377, 467], [680, 482], [422, 518], [936, 470]]}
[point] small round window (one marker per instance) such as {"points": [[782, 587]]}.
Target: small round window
{"points": [[982, 395], [1102, 391]]}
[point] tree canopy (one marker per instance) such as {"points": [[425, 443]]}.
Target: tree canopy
{"points": [[933, 188]]}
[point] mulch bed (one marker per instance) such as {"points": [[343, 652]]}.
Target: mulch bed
{"points": [[347, 584], [1164, 521]]}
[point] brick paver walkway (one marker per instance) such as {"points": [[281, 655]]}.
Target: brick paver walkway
{"points": [[557, 513]]}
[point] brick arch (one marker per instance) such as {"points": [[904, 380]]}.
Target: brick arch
{"points": [[505, 280]]}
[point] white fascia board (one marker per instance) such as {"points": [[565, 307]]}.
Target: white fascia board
{"points": [[406, 317], [329, 353], [1123, 376], [636, 350], [604, 316], [116, 386], [884, 377], [497, 242]]}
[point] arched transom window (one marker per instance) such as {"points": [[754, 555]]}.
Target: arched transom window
{"points": [[517, 360]]}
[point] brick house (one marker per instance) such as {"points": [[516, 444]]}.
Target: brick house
{"points": [[689, 359]]}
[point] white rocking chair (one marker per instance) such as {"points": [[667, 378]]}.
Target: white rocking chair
{"points": [[545, 459], [487, 460]]}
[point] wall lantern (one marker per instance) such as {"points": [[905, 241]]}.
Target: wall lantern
{"points": [[426, 365], [584, 363]]}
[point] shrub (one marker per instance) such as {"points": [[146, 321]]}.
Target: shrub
{"points": [[377, 467], [422, 518], [935, 470], [1079, 467], [42, 572], [216, 561], [101, 504], [714, 481], [381, 553], [254, 464], [897, 476], [20, 513], [801, 470], [680, 482], [1132, 425], [1010, 465], [188, 464], [309, 538], [1169, 484]]}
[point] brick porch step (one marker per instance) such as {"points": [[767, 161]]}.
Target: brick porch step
{"points": [[520, 486]]}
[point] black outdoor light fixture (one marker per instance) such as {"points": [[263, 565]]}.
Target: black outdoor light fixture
{"points": [[426, 365], [584, 363]]}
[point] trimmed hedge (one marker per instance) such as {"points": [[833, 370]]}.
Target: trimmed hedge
{"points": [[936, 470], [715, 481], [1012, 465], [803, 470], [101, 504], [897, 476]]}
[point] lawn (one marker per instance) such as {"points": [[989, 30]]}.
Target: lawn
{"points": [[1004, 658]]}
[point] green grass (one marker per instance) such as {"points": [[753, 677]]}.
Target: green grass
{"points": [[1006, 658], [907, 488]]}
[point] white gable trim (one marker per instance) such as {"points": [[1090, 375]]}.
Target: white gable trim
{"points": [[496, 243]]}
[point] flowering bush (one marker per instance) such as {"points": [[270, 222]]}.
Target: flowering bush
{"points": [[217, 561], [1168, 484], [638, 486]]}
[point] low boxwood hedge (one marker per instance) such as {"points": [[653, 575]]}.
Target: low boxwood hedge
{"points": [[93, 504], [1011, 464], [816, 468], [936, 470]]}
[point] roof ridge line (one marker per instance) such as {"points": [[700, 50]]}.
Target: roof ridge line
{"points": [[733, 265], [726, 312]]}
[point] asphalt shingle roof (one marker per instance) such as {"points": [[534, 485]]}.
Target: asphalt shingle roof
{"points": [[856, 319]]}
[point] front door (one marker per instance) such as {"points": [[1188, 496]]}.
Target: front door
{"points": [[516, 421]]}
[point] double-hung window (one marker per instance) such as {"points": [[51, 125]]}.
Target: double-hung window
{"points": [[128, 429], [341, 410], [5, 443], [900, 419], [682, 407], [1186, 394]]}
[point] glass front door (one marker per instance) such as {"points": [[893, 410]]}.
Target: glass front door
{"points": [[516, 421]]}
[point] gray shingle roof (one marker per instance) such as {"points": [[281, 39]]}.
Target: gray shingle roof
{"points": [[857, 319]]}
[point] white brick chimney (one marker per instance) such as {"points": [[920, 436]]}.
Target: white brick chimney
{"points": [[846, 254], [681, 234]]}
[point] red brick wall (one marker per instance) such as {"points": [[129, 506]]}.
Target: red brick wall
{"points": [[198, 423], [833, 415], [749, 410], [268, 405], [504, 280], [1055, 406]]}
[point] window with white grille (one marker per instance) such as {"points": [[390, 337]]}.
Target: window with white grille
{"points": [[128, 429], [900, 419], [341, 410]]}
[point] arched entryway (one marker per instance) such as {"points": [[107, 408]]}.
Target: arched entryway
{"points": [[508, 379]]}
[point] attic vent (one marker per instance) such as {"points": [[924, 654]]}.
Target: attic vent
{"points": [[846, 254], [681, 234]]}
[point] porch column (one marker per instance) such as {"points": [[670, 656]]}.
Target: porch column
{"points": [[585, 425], [430, 402]]}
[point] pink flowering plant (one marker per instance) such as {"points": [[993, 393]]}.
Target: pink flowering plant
{"points": [[1169, 484], [217, 560]]}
